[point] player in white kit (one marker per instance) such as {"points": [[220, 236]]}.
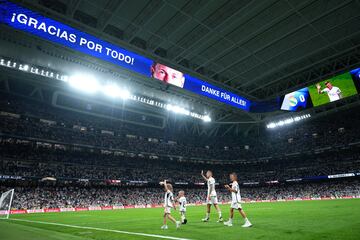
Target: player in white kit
{"points": [[334, 93], [211, 198], [235, 202], [168, 205], [182, 208]]}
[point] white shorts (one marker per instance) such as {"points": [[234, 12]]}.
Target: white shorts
{"points": [[167, 210], [213, 200], [236, 205], [182, 210]]}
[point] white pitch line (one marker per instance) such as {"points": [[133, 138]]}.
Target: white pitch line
{"points": [[100, 229]]}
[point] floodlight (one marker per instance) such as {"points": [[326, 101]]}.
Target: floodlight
{"points": [[169, 107], [206, 118], [86, 83], [125, 94], [287, 121], [25, 67], [111, 90]]}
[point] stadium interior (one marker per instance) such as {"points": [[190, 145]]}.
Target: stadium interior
{"points": [[79, 131]]}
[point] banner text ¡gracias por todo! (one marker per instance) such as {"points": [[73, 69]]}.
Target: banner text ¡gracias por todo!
{"points": [[70, 37]]}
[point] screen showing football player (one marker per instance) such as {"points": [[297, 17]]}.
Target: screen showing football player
{"points": [[167, 74], [334, 93]]}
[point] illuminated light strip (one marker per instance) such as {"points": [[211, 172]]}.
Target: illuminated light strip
{"points": [[287, 121], [32, 69], [65, 78]]}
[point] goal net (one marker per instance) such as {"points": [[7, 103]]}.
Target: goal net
{"points": [[5, 203]]}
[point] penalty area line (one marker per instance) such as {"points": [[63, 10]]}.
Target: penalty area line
{"points": [[99, 229]]}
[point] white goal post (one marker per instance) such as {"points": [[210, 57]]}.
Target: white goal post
{"points": [[5, 203]]}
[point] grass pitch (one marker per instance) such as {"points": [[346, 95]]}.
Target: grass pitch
{"points": [[343, 81], [333, 219]]}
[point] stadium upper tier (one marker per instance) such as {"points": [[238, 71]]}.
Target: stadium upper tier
{"points": [[49, 124], [39, 141]]}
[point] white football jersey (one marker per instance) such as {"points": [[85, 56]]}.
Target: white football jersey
{"points": [[235, 196], [211, 187], [168, 199], [334, 93], [182, 202]]}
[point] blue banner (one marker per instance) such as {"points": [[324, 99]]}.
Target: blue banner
{"points": [[25, 20], [28, 21], [206, 89]]}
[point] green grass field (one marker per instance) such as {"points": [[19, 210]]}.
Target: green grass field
{"points": [[333, 219], [343, 81]]}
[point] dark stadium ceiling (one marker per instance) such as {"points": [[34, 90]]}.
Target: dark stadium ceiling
{"points": [[256, 48]]}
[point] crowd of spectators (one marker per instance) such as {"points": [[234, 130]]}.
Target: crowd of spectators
{"points": [[35, 197], [27, 159], [39, 141], [75, 128]]}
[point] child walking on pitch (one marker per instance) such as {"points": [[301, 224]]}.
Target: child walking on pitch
{"points": [[182, 208], [168, 204], [235, 202]]}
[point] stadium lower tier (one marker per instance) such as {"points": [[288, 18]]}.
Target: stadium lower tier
{"points": [[52, 195], [30, 159]]}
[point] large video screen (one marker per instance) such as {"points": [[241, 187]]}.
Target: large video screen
{"points": [[355, 73], [296, 101], [174, 77], [332, 89], [56, 32]]}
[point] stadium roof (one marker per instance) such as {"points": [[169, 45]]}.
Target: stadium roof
{"points": [[257, 48]]}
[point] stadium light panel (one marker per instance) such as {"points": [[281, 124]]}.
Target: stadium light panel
{"points": [[85, 83], [287, 121], [24, 67], [112, 90], [177, 109], [125, 94], [206, 118], [169, 107], [63, 78]]}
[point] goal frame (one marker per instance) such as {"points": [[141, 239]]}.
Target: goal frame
{"points": [[7, 211]]}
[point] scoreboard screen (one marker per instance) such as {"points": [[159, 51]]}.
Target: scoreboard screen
{"points": [[296, 101], [330, 90]]}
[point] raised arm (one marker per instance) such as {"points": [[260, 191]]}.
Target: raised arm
{"points": [[165, 186], [318, 87], [202, 174]]}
